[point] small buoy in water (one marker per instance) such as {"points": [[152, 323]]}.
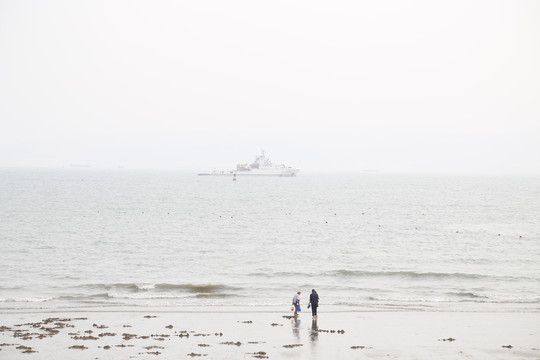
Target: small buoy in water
{"points": [[499, 234]]}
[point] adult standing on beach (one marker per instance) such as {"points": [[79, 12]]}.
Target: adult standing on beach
{"points": [[296, 302], [314, 303]]}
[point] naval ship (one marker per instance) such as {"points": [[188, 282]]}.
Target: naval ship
{"points": [[262, 166]]}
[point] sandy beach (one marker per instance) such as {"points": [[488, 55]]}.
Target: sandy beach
{"points": [[229, 334]]}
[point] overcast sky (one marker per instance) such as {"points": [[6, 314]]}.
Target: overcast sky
{"points": [[414, 86]]}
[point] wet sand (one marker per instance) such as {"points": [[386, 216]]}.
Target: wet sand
{"points": [[223, 334]]}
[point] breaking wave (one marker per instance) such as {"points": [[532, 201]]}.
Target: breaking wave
{"points": [[106, 292], [409, 274], [162, 287], [84, 297], [467, 295], [345, 273], [28, 299]]}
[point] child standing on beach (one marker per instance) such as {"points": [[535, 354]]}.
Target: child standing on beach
{"points": [[296, 302]]}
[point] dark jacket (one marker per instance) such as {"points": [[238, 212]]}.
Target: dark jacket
{"points": [[314, 299]]}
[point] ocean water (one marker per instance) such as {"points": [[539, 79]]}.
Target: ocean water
{"points": [[84, 238]]}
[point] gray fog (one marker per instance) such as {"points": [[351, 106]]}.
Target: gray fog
{"points": [[398, 86]]}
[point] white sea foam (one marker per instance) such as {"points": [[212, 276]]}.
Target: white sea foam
{"points": [[146, 287], [28, 299]]}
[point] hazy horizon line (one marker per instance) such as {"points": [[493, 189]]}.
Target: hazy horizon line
{"points": [[314, 171]]}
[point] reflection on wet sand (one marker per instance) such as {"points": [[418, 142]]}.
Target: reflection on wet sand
{"points": [[295, 322], [314, 331]]}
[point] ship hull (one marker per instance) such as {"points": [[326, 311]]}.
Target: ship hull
{"points": [[291, 173]]}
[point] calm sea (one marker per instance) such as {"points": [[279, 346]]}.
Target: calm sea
{"points": [[87, 238]]}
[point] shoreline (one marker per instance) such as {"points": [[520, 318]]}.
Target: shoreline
{"points": [[103, 334], [334, 309]]}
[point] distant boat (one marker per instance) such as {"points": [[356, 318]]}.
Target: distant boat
{"points": [[262, 166]]}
